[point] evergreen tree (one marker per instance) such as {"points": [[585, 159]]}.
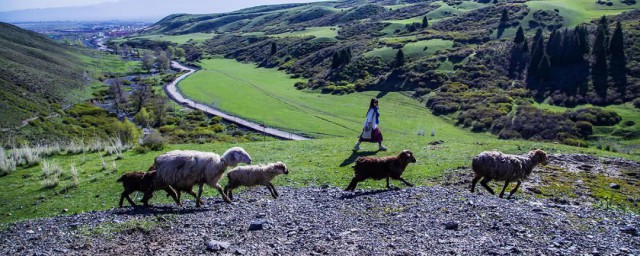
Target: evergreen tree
{"points": [[553, 47], [599, 65], [425, 22], [519, 36], [399, 58], [537, 51], [274, 48], [544, 69], [618, 63], [504, 18], [335, 60]]}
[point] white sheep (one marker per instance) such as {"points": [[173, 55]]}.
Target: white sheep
{"points": [[182, 169], [494, 165], [254, 175]]}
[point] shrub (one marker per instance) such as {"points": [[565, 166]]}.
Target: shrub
{"points": [[300, 85], [636, 103], [596, 116], [584, 128], [50, 174], [7, 164], [626, 133], [153, 141]]}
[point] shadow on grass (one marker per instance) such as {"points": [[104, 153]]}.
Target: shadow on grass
{"points": [[366, 193], [354, 155]]}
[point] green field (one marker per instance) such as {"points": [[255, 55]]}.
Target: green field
{"points": [[318, 32], [268, 95], [578, 11], [412, 50], [178, 39]]}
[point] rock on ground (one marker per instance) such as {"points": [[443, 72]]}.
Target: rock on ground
{"points": [[305, 221]]}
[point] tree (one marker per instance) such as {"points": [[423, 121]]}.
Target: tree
{"points": [[274, 48], [599, 66], [147, 61], [553, 47], [504, 18], [544, 69], [425, 22], [537, 52], [162, 61], [399, 58], [171, 52], [519, 36], [179, 53], [335, 60], [618, 62]]}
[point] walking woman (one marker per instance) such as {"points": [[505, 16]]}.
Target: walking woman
{"points": [[370, 131]]}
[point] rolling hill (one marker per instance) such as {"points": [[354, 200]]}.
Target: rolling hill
{"points": [[35, 73]]}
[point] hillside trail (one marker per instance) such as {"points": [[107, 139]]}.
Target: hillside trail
{"points": [[173, 93]]}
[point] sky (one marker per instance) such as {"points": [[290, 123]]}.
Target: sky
{"points": [[13, 5]]}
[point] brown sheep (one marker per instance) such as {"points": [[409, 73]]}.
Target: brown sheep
{"points": [[379, 168], [143, 182], [494, 165]]}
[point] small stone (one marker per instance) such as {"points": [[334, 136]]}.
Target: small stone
{"points": [[451, 225], [535, 190], [536, 210], [215, 246], [614, 186], [240, 252], [629, 230], [30, 231], [65, 210], [257, 225]]}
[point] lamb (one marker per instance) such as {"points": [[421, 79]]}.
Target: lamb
{"points": [[254, 175], [494, 165], [381, 167], [143, 182], [182, 169]]}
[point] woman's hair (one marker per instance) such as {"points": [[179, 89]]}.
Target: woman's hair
{"points": [[374, 100]]}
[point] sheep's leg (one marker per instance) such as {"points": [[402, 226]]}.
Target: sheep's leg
{"points": [[485, 185], [147, 195], [514, 189], [354, 182], [198, 195], [190, 192], [405, 182], [506, 183], [173, 195], [125, 194], [224, 196], [272, 189], [474, 182], [388, 187]]}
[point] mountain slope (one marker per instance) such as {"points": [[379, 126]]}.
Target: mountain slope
{"points": [[35, 72]]}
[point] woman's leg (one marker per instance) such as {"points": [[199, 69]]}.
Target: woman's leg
{"points": [[357, 146]]}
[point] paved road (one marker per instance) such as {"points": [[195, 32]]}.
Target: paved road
{"points": [[174, 94]]}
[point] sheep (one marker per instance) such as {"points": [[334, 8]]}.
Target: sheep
{"points": [[143, 182], [381, 167], [494, 165], [182, 169], [254, 175]]}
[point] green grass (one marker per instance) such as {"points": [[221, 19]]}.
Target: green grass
{"points": [[178, 39], [412, 50], [326, 161], [577, 11], [318, 32]]}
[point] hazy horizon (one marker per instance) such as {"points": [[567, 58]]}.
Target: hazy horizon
{"points": [[99, 10]]}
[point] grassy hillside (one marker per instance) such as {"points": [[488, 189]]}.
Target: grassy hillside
{"points": [[35, 72]]}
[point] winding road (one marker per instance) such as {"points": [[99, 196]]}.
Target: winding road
{"points": [[172, 91]]}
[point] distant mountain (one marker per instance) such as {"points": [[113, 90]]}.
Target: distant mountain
{"points": [[35, 72], [135, 10]]}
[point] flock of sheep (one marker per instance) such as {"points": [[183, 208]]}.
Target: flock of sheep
{"points": [[179, 170]]}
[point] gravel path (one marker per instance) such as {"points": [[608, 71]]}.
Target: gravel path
{"points": [[310, 221], [174, 94]]}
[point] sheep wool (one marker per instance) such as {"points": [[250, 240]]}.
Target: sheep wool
{"points": [[255, 175], [182, 169], [494, 165]]}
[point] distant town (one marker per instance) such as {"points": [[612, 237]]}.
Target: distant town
{"points": [[89, 34]]}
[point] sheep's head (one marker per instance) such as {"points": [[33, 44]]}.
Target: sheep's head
{"points": [[407, 156], [236, 155], [538, 156], [281, 168]]}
